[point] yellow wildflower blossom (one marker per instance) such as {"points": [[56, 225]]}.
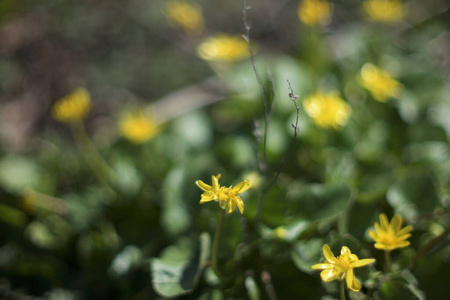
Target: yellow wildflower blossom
{"points": [[315, 12], [185, 15], [280, 232], [379, 83], [226, 196], [223, 47], [72, 108], [384, 11], [338, 268], [390, 236], [137, 127], [327, 110]]}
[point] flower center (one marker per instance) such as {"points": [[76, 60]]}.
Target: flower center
{"points": [[225, 193]]}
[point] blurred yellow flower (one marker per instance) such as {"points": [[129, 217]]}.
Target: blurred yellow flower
{"points": [[137, 127], [315, 12], [338, 268], [390, 236], [185, 15], [384, 11], [379, 83], [223, 48], [280, 232], [327, 110], [72, 108], [226, 196]]}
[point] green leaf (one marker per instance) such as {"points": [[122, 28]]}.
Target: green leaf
{"points": [[307, 253], [252, 288], [17, 173], [413, 194], [318, 201], [399, 289], [178, 269]]}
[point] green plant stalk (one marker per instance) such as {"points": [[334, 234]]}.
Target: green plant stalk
{"points": [[387, 255], [342, 289], [215, 246], [98, 165]]}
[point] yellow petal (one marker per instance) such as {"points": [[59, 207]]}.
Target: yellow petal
{"points": [[405, 229], [373, 235], [382, 246], [329, 275], [351, 281], [242, 187], [231, 207], [345, 251], [215, 182], [403, 237], [377, 227], [322, 266], [207, 196], [203, 185], [362, 263], [240, 204], [329, 256], [396, 222], [384, 222], [402, 244]]}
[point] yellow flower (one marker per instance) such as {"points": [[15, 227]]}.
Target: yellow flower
{"points": [[280, 232], [73, 107], [390, 236], [315, 12], [338, 268], [226, 196], [137, 127], [384, 11], [185, 15], [223, 48], [327, 110], [379, 83]]}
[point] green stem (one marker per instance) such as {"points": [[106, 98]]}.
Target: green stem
{"points": [[215, 246], [387, 255], [342, 289], [101, 169]]}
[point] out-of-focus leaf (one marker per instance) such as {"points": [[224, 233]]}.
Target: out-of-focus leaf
{"points": [[195, 129], [51, 234], [12, 216], [130, 257], [252, 288], [128, 178], [212, 295], [307, 253], [178, 269], [413, 194], [399, 289], [318, 202], [175, 218], [17, 173]]}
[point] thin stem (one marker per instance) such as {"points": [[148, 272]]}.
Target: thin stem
{"points": [[387, 255], [101, 169], [215, 246], [342, 289]]}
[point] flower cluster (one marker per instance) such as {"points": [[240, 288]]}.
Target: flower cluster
{"points": [[137, 127], [379, 83], [384, 11], [338, 268], [223, 47], [226, 196], [72, 108], [327, 110], [185, 15], [315, 12]]}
